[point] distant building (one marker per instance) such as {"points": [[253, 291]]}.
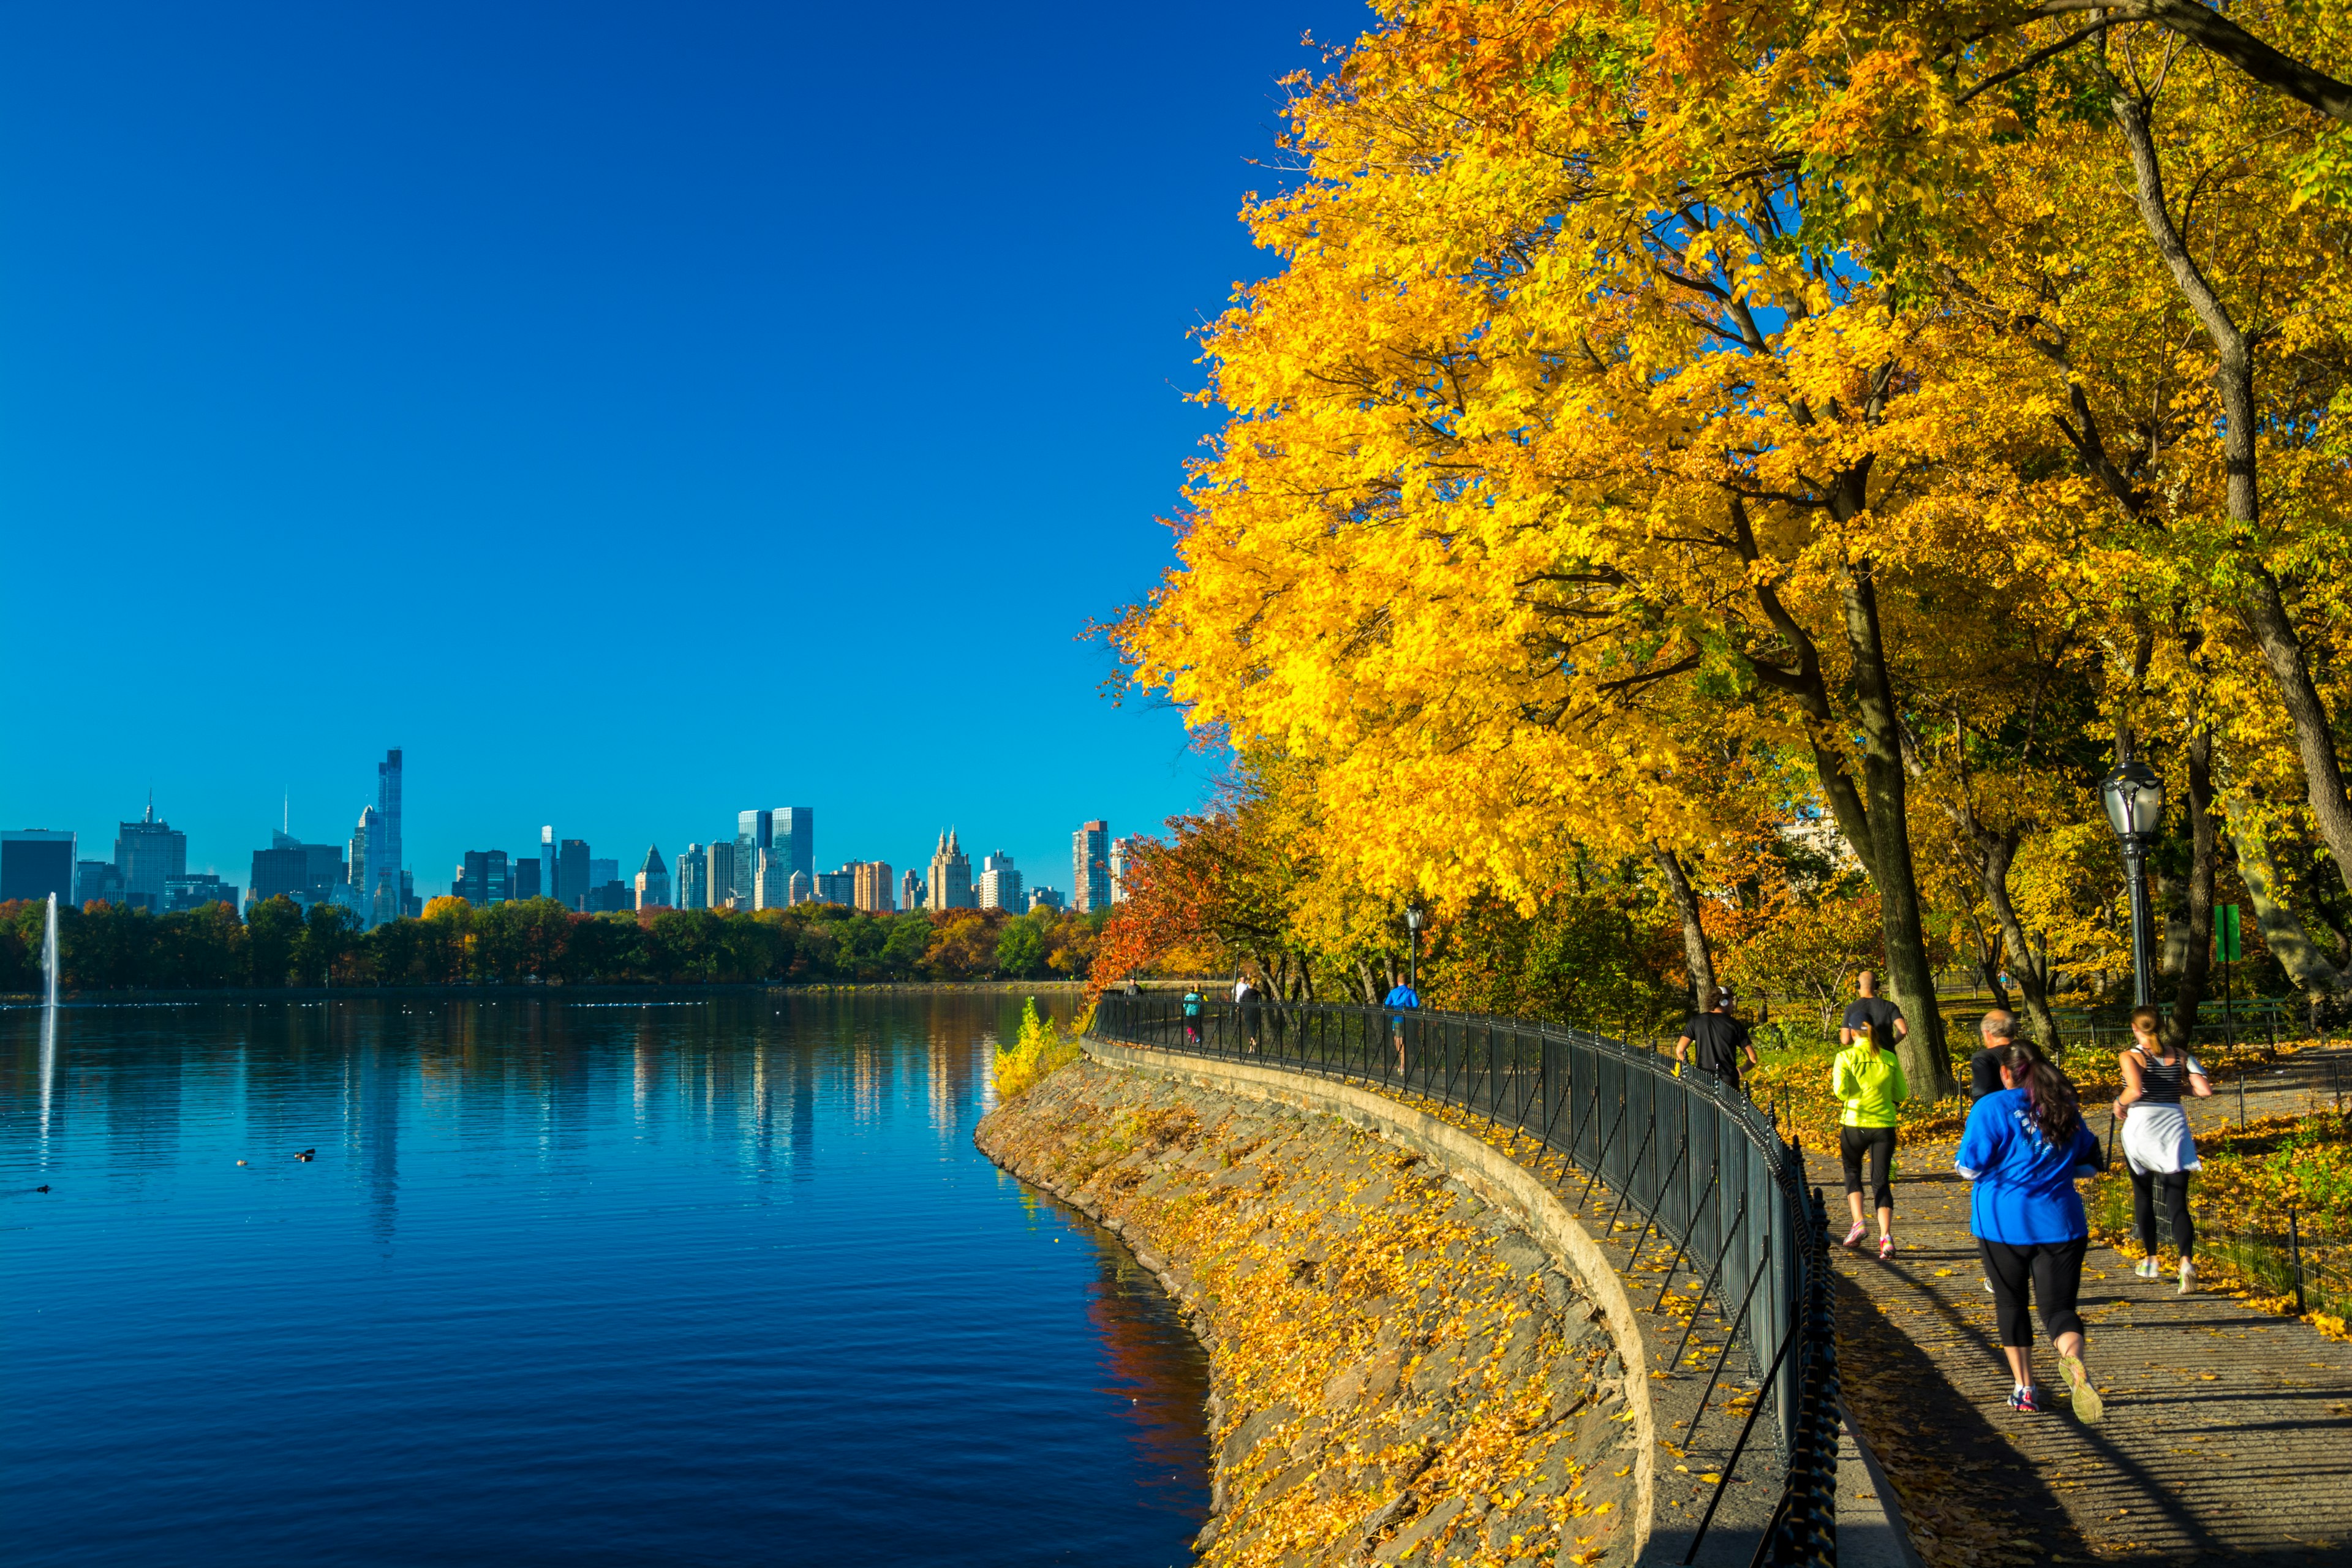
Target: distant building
{"points": [[799, 888], [485, 878], [721, 858], [356, 872], [149, 853], [1000, 884], [693, 877], [307, 873], [794, 836], [872, 892], [1122, 851], [611, 898], [755, 831], [97, 882], [36, 862], [652, 880], [522, 878], [388, 886], [838, 886], [602, 871], [778, 886], [194, 892], [910, 892], [1091, 867], [571, 884], [548, 881], [1045, 899], [950, 880]]}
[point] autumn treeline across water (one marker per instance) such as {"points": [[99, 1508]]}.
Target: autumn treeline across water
{"points": [[1763, 466], [106, 947]]}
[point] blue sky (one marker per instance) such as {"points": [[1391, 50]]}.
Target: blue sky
{"points": [[636, 413]]}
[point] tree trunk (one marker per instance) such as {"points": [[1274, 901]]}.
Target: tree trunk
{"points": [[2197, 953], [1700, 962], [2283, 933], [1909, 973], [2263, 605], [2029, 969]]}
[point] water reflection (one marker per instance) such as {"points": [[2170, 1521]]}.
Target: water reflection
{"points": [[542, 1291]]}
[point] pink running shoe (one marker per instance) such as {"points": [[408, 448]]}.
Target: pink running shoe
{"points": [[1885, 1247], [1853, 1236]]}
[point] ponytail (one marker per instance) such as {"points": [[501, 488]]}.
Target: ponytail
{"points": [[2050, 1093]]}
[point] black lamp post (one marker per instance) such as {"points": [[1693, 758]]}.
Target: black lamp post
{"points": [[2134, 801], [1413, 920]]}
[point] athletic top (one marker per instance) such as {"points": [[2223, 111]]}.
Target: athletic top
{"points": [[1877, 1013], [2024, 1189], [1871, 1083], [1719, 1042], [1984, 1073], [2162, 1085]]}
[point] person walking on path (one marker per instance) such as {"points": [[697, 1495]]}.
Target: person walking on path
{"points": [[1714, 1041], [1253, 1010], [2022, 1151], [2158, 1150], [1401, 999], [1192, 1005], [1868, 1080], [1999, 1030], [1869, 1010]]}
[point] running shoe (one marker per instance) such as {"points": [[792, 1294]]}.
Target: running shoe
{"points": [[2188, 1277], [1885, 1247], [2022, 1399], [2088, 1406], [2147, 1269], [1853, 1236]]}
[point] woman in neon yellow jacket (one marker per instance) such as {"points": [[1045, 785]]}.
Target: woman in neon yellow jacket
{"points": [[1869, 1081]]}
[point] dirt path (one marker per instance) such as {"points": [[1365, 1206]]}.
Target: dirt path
{"points": [[2228, 1436]]}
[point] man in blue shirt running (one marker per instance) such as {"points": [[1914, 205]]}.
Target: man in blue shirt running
{"points": [[1401, 998]]}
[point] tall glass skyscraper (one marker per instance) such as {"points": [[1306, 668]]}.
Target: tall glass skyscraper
{"points": [[754, 834], [546, 861], [385, 857], [1091, 867], [149, 853], [795, 839]]}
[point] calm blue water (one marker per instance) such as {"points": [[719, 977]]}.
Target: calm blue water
{"points": [[715, 1283]]}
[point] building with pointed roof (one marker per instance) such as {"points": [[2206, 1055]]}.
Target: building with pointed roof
{"points": [[652, 880]]}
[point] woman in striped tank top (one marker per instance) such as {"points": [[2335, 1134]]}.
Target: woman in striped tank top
{"points": [[2156, 1143]]}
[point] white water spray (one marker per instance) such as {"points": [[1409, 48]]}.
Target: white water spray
{"points": [[49, 951]]}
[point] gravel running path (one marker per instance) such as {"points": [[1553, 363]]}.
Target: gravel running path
{"points": [[2228, 1436]]}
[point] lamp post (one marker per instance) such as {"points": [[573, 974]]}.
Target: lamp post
{"points": [[1413, 916], [2134, 800]]}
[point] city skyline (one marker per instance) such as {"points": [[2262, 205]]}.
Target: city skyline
{"points": [[291, 863]]}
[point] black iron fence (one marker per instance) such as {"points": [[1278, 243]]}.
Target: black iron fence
{"points": [[1688, 1160]]}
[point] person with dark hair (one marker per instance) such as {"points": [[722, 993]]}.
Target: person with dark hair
{"points": [[1714, 1041], [1869, 1079], [1999, 1030], [2158, 1151], [2023, 1150]]}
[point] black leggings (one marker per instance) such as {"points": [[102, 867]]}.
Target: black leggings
{"points": [[2055, 1271], [1878, 1143], [2172, 1187]]}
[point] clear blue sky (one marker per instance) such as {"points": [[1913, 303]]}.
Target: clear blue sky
{"points": [[636, 413]]}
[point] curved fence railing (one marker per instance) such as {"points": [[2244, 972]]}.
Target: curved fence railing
{"points": [[1690, 1158]]}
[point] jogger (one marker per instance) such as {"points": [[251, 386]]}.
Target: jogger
{"points": [[2158, 1147], [1869, 1080]]}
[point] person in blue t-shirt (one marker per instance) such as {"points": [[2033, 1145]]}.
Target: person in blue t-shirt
{"points": [[2025, 1148], [1401, 998]]}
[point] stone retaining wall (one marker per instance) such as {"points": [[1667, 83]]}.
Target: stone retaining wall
{"points": [[1409, 1360]]}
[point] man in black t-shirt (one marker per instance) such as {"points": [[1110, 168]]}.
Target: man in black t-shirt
{"points": [[1999, 1032], [1882, 1018], [1715, 1041]]}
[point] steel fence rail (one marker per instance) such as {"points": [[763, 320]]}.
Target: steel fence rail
{"points": [[1692, 1157]]}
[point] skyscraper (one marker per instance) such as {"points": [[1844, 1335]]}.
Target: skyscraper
{"points": [[910, 892], [795, 837], [1122, 851], [800, 887], [194, 892], [571, 884], [950, 881], [36, 862], [1091, 867], [547, 862], [98, 880], [722, 885], [385, 860], [363, 887], [1000, 884], [652, 880], [872, 892], [522, 878], [482, 880], [754, 833], [149, 853], [1045, 897], [692, 868]]}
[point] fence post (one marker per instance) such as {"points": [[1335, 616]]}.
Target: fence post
{"points": [[2294, 1259]]}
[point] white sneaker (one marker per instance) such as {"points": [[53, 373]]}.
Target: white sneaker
{"points": [[2146, 1269]]}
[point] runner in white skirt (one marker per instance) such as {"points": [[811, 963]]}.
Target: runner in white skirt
{"points": [[2158, 1147]]}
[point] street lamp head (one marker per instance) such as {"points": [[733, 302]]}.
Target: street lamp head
{"points": [[2134, 800], [1413, 916]]}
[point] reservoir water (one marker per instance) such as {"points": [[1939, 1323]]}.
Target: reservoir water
{"points": [[696, 1278]]}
